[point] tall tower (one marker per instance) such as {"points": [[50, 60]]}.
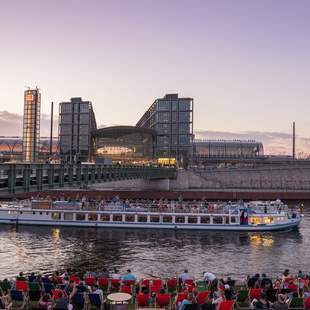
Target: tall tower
{"points": [[31, 124]]}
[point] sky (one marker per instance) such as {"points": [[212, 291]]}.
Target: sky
{"points": [[245, 62]]}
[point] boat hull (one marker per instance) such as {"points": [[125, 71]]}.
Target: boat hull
{"points": [[293, 224]]}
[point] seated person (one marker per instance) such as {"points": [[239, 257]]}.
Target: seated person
{"points": [[261, 303], [45, 302], [61, 302], [129, 276], [187, 301], [185, 276]]}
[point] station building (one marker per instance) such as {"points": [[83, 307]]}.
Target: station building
{"points": [[124, 144]]}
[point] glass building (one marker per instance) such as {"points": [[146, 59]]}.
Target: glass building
{"points": [[31, 124], [124, 144], [172, 119], [76, 123], [228, 148]]}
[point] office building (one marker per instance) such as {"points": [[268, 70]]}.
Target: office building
{"points": [[76, 123], [31, 125], [172, 118]]}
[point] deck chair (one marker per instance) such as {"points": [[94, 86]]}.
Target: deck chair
{"points": [[21, 285], [226, 305], [172, 285], [163, 300], [202, 297], [142, 300]]}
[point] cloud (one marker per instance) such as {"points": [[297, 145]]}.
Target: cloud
{"points": [[11, 124], [276, 143]]}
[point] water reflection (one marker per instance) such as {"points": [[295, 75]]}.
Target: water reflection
{"points": [[151, 251]]}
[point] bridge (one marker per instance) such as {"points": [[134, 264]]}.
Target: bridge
{"points": [[23, 177]]}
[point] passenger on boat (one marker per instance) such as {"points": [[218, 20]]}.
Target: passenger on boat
{"points": [[129, 276], [254, 281], [97, 290], [116, 275], [187, 301], [281, 303], [210, 279], [265, 282], [261, 303], [21, 277], [32, 277]]}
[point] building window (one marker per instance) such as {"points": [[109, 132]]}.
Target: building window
{"points": [[163, 105]]}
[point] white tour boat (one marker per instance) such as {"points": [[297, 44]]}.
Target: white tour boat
{"points": [[252, 216]]}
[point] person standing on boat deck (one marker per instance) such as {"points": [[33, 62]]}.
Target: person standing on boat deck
{"points": [[129, 276], [116, 275], [210, 279]]}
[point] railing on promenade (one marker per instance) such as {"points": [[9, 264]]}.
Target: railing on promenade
{"points": [[24, 177]]}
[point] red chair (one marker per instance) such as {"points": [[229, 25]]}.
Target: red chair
{"points": [[129, 282], [307, 303], [226, 305], [21, 285], [293, 288], [190, 288], [163, 300], [125, 289], [145, 282], [90, 281], [115, 283], [155, 289], [157, 282], [189, 282], [142, 300], [181, 297], [255, 293], [103, 282], [172, 284], [56, 292], [75, 279], [202, 297]]}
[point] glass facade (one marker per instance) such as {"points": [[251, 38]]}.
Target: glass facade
{"points": [[228, 148], [31, 124], [124, 144], [172, 118], [77, 121]]}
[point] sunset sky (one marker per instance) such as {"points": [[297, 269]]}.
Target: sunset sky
{"points": [[246, 63]]}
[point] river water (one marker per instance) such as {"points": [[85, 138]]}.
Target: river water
{"points": [[153, 252]]}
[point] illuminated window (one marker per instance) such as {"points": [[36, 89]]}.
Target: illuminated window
{"points": [[92, 217], [129, 218], [180, 219], [167, 219], [105, 217], [268, 220], [255, 220], [117, 217], [56, 216]]}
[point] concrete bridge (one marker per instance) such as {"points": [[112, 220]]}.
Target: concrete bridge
{"points": [[18, 178]]}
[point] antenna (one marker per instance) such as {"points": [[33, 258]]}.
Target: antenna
{"points": [[294, 140]]}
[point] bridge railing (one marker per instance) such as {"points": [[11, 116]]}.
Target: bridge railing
{"points": [[23, 177]]}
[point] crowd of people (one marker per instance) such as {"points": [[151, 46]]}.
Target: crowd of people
{"points": [[65, 290]]}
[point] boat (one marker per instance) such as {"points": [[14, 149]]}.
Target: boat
{"points": [[251, 216]]}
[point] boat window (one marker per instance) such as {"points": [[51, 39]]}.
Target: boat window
{"points": [[154, 219], [180, 219], [117, 218], [233, 220], [142, 218], [268, 220], [129, 218], [192, 220], [255, 220], [21, 212], [167, 219], [226, 219], [40, 213], [105, 217], [68, 216], [92, 217], [56, 216], [217, 220], [33, 213], [80, 217], [46, 213], [205, 220]]}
